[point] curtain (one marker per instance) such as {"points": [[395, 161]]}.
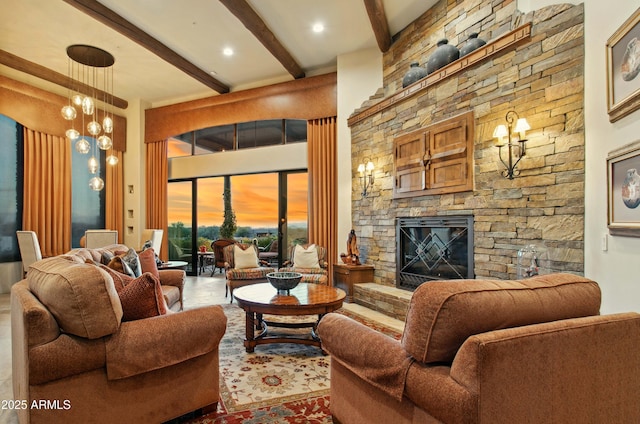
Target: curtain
{"points": [[47, 191], [114, 196], [322, 157], [157, 177]]}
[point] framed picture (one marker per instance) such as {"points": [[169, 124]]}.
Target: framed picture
{"points": [[623, 190], [623, 67]]}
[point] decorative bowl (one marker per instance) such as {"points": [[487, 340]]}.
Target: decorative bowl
{"points": [[283, 281]]}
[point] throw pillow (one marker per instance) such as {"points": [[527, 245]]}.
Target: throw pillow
{"points": [[118, 264], [147, 260], [245, 258], [131, 258], [142, 298], [120, 280], [305, 258]]}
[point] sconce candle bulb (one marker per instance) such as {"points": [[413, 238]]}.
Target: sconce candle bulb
{"points": [[366, 176], [516, 146]]}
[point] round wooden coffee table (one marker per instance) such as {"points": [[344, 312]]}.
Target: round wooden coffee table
{"points": [[305, 299]]}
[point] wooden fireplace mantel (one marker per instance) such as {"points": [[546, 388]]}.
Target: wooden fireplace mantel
{"points": [[490, 49]]}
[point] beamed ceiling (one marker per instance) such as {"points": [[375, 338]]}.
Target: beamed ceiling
{"points": [[168, 50]]}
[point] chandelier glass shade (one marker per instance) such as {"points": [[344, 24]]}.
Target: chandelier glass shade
{"points": [[91, 73]]}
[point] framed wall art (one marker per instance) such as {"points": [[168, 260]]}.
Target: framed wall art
{"points": [[623, 190], [623, 69]]}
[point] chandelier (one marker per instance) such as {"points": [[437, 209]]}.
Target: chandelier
{"points": [[91, 73]]}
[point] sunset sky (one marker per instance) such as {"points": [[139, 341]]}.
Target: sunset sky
{"points": [[254, 199]]}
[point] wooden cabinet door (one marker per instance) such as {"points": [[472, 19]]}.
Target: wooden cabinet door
{"points": [[410, 150], [436, 159], [449, 159]]}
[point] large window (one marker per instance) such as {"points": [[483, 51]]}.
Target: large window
{"points": [[87, 205], [268, 207], [245, 135], [11, 170]]}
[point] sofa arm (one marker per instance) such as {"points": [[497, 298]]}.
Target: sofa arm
{"points": [[377, 359], [153, 343], [172, 277]]}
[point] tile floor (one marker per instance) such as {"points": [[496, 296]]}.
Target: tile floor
{"points": [[199, 291]]}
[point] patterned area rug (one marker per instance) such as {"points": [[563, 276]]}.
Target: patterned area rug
{"points": [[278, 383]]}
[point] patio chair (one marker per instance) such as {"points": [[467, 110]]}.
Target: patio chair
{"points": [[270, 254]]}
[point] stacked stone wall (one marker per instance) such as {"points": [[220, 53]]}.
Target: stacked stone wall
{"points": [[541, 79]]}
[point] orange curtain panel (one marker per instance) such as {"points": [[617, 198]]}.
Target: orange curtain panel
{"points": [[322, 158], [157, 177], [47, 190]]}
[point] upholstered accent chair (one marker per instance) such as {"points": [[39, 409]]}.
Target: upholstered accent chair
{"points": [[243, 267], [100, 238], [154, 236], [29, 249], [310, 261], [72, 344], [490, 351]]}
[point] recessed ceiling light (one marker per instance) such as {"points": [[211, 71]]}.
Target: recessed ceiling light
{"points": [[318, 27], [228, 51]]}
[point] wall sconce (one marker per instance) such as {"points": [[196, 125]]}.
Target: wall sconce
{"points": [[366, 177], [515, 148]]}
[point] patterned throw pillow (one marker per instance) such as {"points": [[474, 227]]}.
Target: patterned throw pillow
{"points": [[305, 258], [245, 258], [142, 298], [118, 264], [131, 258]]}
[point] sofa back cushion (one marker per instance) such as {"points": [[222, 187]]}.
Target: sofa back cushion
{"points": [[442, 315], [81, 297]]}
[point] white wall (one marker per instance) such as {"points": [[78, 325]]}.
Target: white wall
{"points": [[616, 268], [359, 77]]}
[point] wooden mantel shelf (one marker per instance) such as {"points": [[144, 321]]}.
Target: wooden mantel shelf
{"points": [[490, 49]]}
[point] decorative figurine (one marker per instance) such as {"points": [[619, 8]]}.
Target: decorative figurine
{"points": [[352, 248]]}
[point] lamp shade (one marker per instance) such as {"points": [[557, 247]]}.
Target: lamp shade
{"points": [[522, 126], [500, 131]]}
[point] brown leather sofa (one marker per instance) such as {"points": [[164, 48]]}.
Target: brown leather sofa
{"points": [[78, 362], [485, 351]]}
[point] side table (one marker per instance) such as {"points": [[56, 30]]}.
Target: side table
{"points": [[345, 276]]}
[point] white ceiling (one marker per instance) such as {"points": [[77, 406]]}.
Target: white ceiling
{"points": [[40, 31]]}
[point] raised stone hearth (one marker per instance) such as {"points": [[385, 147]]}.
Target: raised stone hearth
{"points": [[390, 301]]}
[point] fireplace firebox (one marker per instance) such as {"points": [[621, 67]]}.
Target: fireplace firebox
{"points": [[433, 248]]}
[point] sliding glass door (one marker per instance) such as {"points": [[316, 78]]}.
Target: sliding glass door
{"points": [[270, 210]]}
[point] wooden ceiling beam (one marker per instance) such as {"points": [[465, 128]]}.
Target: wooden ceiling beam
{"points": [[47, 74], [126, 28], [252, 21], [379, 24]]}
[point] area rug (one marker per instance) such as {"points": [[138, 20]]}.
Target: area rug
{"points": [[278, 383]]}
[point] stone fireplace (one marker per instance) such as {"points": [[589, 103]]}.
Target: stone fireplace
{"points": [[540, 77], [433, 248]]}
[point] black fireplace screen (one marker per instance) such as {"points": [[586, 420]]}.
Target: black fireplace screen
{"points": [[435, 248]]}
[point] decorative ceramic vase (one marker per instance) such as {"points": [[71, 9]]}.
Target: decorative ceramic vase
{"points": [[415, 73], [631, 189], [472, 43], [444, 55]]}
